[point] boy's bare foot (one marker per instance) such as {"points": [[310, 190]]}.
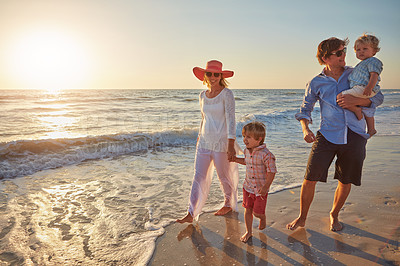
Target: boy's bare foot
{"points": [[372, 132], [298, 222], [335, 224], [187, 219], [263, 223], [246, 237], [223, 211]]}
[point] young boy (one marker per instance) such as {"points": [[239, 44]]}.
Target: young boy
{"points": [[260, 172], [365, 78]]}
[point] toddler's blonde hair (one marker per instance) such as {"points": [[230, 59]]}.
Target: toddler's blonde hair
{"points": [[256, 129], [370, 40]]}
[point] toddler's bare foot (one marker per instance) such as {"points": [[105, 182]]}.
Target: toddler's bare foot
{"points": [[357, 111], [298, 222], [223, 211], [335, 224], [246, 237], [371, 132], [187, 219], [263, 223]]}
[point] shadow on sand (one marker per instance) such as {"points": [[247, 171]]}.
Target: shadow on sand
{"points": [[303, 246]]}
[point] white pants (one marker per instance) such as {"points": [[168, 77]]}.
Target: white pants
{"points": [[228, 174]]}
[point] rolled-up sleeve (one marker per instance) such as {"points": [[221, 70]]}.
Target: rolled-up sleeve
{"points": [[307, 106]]}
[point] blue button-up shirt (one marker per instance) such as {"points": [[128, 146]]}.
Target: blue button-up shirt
{"points": [[335, 120]]}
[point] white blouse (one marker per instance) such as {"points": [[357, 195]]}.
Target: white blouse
{"points": [[218, 121]]}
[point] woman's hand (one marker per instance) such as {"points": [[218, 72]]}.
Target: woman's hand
{"points": [[231, 153], [231, 150], [232, 159]]}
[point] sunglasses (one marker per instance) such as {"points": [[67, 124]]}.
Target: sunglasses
{"points": [[340, 52], [209, 74]]}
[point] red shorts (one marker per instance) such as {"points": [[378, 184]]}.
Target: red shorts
{"points": [[257, 203]]}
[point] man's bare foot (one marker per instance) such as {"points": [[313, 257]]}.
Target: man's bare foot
{"points": [[187, 219], [263, 223], [298, 222], [246, 237], [371, 132], [223, 211], [335, 224]]}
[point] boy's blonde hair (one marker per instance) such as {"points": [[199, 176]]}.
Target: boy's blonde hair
{"points": [[370, 40], [222, 82], [256, 129]]}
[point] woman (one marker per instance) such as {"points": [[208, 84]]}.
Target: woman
{"points": [[215, 143]]}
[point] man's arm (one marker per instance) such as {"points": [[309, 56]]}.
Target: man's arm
{"points": [[307, 106], [348, 101]]}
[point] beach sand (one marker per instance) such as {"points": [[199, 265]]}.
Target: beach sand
{"points": [[371, 219]]}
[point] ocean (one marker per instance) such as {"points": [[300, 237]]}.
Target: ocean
{"points": [[93, 177]]}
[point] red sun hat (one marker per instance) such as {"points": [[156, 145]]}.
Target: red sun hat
{"points": [[212, 66]]}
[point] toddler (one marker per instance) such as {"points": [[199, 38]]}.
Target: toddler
{"points": [[365, 77], [260, 172]]}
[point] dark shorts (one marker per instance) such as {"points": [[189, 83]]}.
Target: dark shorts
{"points": [[257, 203], [349, 161]]}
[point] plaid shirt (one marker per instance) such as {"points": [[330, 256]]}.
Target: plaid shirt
{"points": [[258, 164]]}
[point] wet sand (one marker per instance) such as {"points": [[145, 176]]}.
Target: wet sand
{"points": [[371, 219]]}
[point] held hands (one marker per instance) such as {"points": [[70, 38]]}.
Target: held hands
{"points": [[231, 154]]}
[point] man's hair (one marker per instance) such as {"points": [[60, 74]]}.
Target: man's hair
{"points": [[256, 130], [370, 40], [326, 47]]}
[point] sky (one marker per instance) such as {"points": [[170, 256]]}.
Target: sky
{"points": [[155, 44]]}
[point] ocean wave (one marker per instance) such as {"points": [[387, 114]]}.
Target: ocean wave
{"points": [[390, 108], [190, 100], [270, 118], [26, 157], [389, 92]]}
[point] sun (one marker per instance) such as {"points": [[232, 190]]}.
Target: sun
{"points": [[50, 59]]}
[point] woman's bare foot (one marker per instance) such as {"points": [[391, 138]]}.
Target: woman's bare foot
{"points": [[246, 237], [223, 211], [335, 224], [371, 132], [298, 222], [263, 223], [187, 219]]}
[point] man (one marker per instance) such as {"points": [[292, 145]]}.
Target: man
{"points": [[341, 134]]}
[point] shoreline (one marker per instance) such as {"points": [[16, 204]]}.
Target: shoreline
{"points": [[370, 217]]}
